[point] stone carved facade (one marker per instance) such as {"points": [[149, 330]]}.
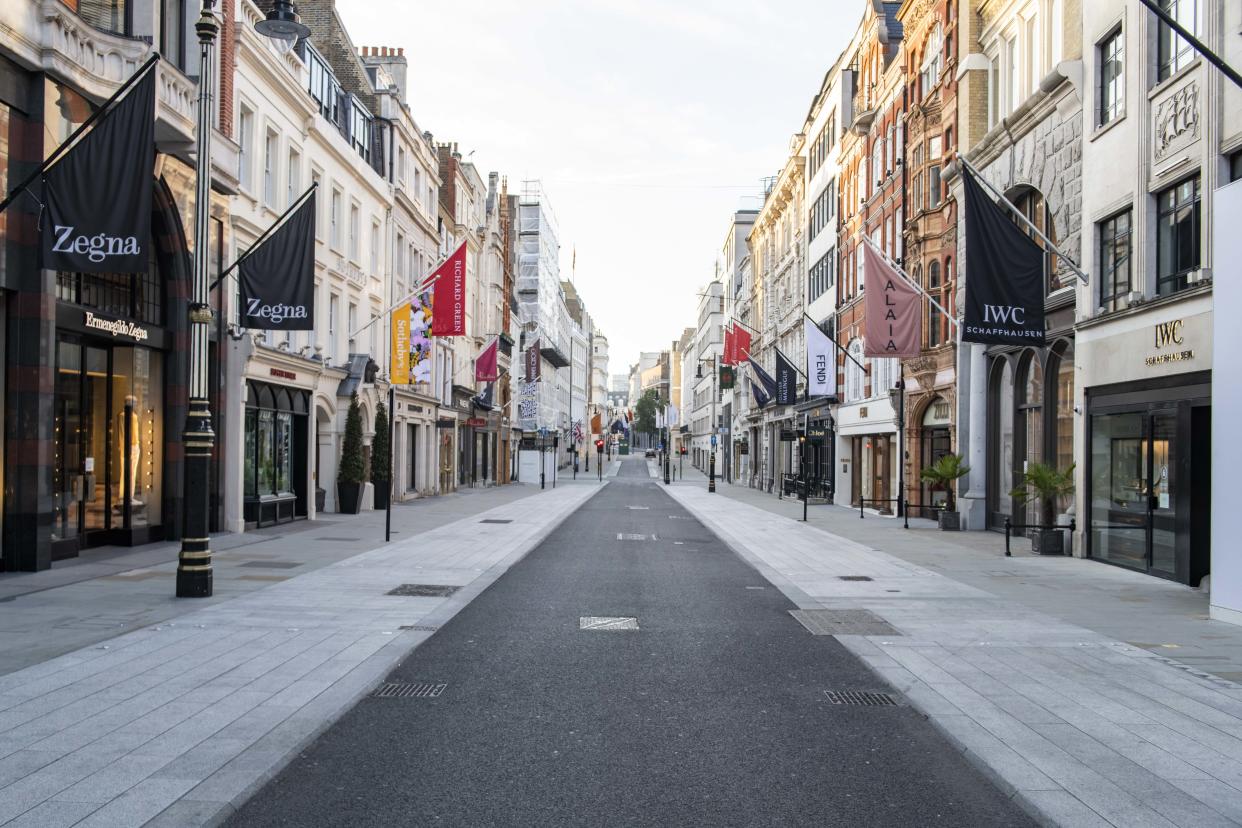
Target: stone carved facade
{"points": [[1176, 121]]}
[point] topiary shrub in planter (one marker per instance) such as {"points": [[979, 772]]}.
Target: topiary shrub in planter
{"points": [[381, 460], [943, 476], [350, 474], [1043, 482]]}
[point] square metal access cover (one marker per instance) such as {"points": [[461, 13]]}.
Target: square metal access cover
{"points": [[857, 697], [495, 520], [273, 564], [424, 590], [409, 690], [843, 622], [607, 622], [854, 577]]}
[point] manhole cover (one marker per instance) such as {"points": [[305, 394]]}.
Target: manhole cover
{"points": [[409, 690], [859, 698], [607, 622], [273, 564], [418, 627], [843, 622], [854, 577], [424, 590], [495, 520]]}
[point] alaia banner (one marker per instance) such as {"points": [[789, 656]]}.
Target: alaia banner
{"points": [[448, 316], [894, 315], [98, 196], [1004, 275], [277, 279]]}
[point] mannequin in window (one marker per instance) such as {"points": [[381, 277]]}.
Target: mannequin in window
{"points": [[129, 435]]}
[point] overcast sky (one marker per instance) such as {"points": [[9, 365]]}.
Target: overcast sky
{"points": [[647, 121]]}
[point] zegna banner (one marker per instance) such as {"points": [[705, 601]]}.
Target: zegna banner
{"points": [[97, 198], [1004, 275], [277, 279]]}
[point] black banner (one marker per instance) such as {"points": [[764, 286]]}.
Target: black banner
{"points": [[277, 279], [98, 196], [1004, 275], [727, 377], [761, 396], [534, 366], [786, 381]]}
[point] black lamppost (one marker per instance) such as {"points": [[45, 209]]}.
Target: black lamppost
{"points": [[711, 463], [194, 573], [898, 397]]}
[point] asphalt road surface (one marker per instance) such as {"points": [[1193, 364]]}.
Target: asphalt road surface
{"points": [[712, 713]]}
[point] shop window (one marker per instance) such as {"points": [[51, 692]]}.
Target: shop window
{"points": [[1177, 236], [1235, 166], [137, 296], [1112, 88], [1001, 411], [1115, 278], [1063, 403], [1172, 52], [110, 15]]}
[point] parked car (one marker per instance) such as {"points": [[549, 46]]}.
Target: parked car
{"points": [[649, 453]]}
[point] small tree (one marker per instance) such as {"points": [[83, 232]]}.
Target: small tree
{"points": [[944, 474], [381, 462], [352, 468], [1046, 483], [645, 411]]}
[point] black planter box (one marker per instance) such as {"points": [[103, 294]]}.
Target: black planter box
{"points": [[349, 498], [949, 521], [1048, 542], [381, 495]]}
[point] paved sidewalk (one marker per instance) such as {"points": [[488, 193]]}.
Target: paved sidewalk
{"points": [[180, 721], [107, 591], [1080, 727]]}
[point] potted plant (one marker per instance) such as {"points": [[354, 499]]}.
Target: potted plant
{"points": [[1047, 484], [351, 472], [381, 462], [943, 476]]}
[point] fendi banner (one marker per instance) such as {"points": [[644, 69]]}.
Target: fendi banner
{"points": [[97, 198], [277, 279]]}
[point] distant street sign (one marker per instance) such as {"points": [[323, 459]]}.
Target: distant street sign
{"points": [[713, 441]]}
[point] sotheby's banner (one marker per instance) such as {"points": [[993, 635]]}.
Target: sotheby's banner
{"points": [[97, 197], [277, 279], [1004, 275]]}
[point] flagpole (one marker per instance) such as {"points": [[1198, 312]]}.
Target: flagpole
{"points": [[266, 233], [68, 143], [1025, 221]]}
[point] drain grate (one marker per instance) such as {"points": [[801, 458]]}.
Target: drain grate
{"points": [[273, 564], [857, 697], [423, 590], [409, 690], [418, 627], [495, 520], [843, 622], [338, 540], [854, 577]]}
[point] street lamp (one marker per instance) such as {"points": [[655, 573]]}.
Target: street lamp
{"points": [[711, 463], [194, 573]]}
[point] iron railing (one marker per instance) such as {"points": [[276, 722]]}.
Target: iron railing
{"points": [[1010, 526]]}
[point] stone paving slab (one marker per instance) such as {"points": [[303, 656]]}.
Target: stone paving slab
{"points": [[1080, 727], [179, 722]]}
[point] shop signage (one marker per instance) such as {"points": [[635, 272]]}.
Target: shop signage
{"points": [[476, 422], [1169, 335], [446, 422], [788, 435], [862, 412], [817, 433], [116, 327], [283, 374]]}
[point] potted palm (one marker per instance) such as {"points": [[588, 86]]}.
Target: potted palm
{"points": [[1043, 482], [352, 471], [381, 462], [943, 476]]}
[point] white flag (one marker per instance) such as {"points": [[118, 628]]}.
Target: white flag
{"points": [[659, 419], [821, 362], [672, 416]]}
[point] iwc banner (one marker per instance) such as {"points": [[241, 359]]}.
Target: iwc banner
{"points": [[277, 279], [1004, 276], [98, 196]]}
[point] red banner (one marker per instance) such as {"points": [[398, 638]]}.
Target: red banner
{"points": [[741, 344], [448, 305], [893, 324], [728, 346], [485, 369]]}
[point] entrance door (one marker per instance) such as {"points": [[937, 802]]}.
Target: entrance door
{"points": [[1137, 472], [82, 457]]}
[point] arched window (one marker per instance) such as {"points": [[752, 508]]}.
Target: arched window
{"points": [[1030, 422], [877, 161], [892, 147], [1034, 206], [1061, 403], [854, 376], [1000, 460], [933, 316]]}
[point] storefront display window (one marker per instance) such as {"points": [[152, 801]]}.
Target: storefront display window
{"points": [[1031, 425], [1001, 479], [274, 466], [1119, 489]]}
